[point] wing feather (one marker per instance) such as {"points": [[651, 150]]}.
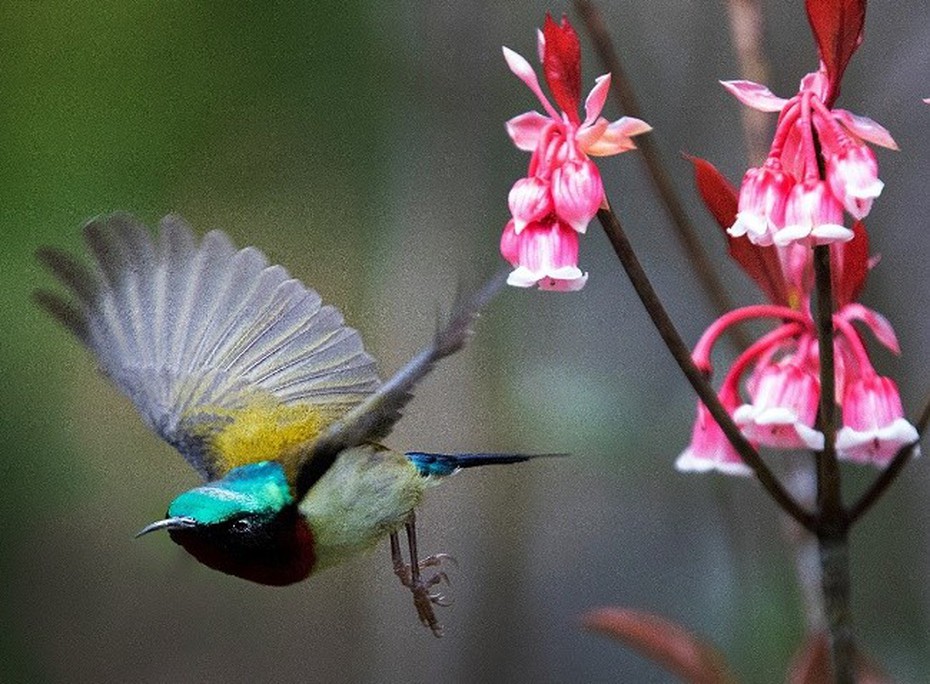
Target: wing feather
{"points": [[194, 333]]}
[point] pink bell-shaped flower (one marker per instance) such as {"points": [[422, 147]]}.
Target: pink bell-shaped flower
{"points": [[710, 449], [852, 173], [812, 215], [874, 427], [543, 254], [762, 199], [577, 192], [783, 408]]}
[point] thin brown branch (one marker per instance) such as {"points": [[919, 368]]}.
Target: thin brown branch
{"points": [[832, 523], [661, 180], [746, 32], [829, 495], [699, 382], [891, 472]]}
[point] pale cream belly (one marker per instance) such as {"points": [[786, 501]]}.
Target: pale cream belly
{"points": [[366, 494]]}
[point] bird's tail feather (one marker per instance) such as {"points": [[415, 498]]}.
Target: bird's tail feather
{"points": [[446, 464]]}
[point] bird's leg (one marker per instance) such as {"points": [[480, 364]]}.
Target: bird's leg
{"points": [[410, 576]]}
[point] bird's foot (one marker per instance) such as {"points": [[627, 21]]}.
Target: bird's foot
{"points": [[425, 596]]}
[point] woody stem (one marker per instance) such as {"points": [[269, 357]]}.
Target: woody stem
{"points": [[699, 382], [661, 180], [832, 521]]}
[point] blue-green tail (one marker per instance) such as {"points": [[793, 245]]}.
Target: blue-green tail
{"points": [[440, 465]]}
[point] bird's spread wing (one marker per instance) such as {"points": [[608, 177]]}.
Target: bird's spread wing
{"points": [[227, 358], [374, 417]]}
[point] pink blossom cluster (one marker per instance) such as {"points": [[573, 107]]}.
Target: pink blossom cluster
{"points": [[819, 164], [562, 190], [772, 390]]}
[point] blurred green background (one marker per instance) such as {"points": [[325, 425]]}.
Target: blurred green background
{"points": [[362, 146]]}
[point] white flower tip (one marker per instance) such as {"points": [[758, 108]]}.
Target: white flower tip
{"points": [[521, 277], [829, 233], [876, 446], [687, 462], [518, 65], [579, 226], [812, 439], [789, 234]]}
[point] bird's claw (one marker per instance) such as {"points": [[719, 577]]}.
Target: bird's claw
{"points": [[424, 597], [422, 587]]}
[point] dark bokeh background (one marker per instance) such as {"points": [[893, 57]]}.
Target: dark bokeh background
{"points": [[362, 145]]}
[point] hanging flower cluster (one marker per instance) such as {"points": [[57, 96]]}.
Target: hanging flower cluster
{"points": [[780, 371], [818, 165], [562, 190]]}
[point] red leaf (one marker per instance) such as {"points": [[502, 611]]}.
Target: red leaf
{"points": [[851, 266], [721, 199], [811, 665], [662, 641], [837, 27], [562, 65]]}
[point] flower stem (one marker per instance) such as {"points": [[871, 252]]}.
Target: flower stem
{"points": [[829, 499], [833, 521], [834, 568], [698, 380], [661, 181]]}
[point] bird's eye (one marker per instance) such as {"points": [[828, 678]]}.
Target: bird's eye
{"points": [[241, 525]]}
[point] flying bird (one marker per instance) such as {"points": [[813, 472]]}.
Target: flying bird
{"points": [[267, 394]]}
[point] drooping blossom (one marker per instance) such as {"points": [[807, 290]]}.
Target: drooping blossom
{"points": [[544, 253], [874, 427], [709, 448], [819, 163], [778, 374], [562, 189]]}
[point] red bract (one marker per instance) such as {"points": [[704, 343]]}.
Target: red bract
{"points": [[837, 27], [562, 65]]}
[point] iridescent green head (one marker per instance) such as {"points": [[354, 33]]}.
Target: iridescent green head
{"points": [[245, 524]]}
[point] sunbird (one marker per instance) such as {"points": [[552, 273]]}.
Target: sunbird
{"points": [[267, 394]]}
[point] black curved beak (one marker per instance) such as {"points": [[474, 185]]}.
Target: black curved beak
{"points": [[167, 524]]}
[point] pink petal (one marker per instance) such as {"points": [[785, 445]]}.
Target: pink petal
{"points": [[866, 129], [755, 95], [522, 70], [529, 200], [874, 321], [615, 138], [596, 98], [526, 130], [577, 192]]}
